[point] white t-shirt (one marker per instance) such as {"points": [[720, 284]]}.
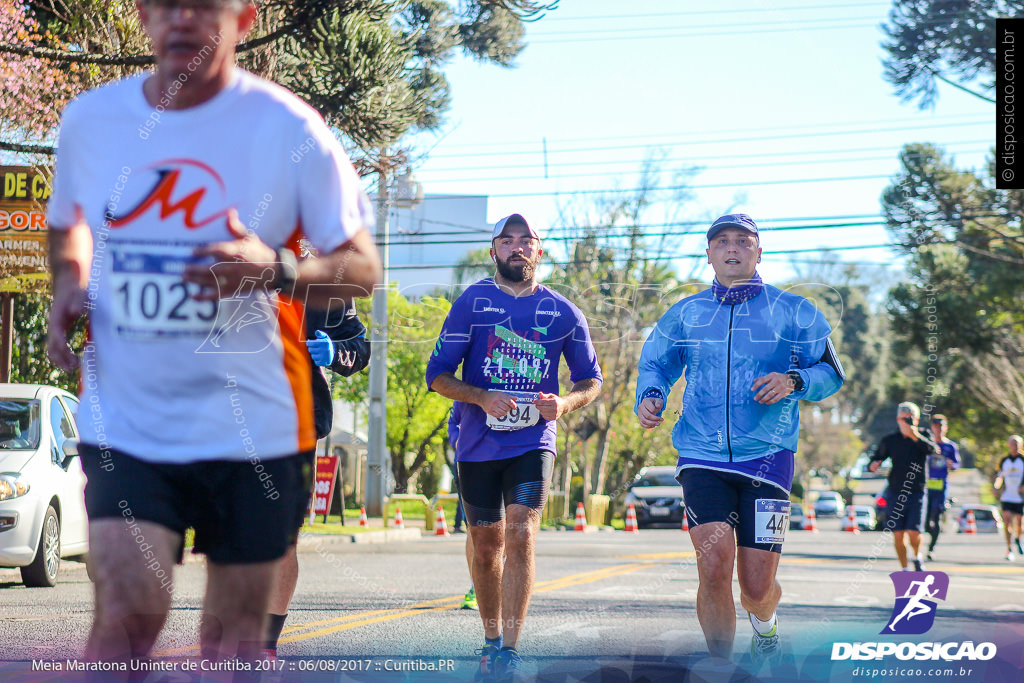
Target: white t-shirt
{"points": [[1011, 469], [170, 379]]}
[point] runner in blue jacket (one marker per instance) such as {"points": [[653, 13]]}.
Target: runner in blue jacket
{"points": [[750, 353]]}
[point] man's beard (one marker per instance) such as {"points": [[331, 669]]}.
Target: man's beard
{"points": [[520, 272]]}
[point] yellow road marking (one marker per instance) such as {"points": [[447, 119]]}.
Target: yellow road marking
{"points": [[364, 622], [657, 556], [593, 576], [349, 621]]}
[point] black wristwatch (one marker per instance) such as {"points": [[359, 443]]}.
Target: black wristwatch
{"points": [[798, 381], [286, 270]]}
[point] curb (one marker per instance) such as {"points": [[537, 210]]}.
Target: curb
{"points": [[307, 540]]}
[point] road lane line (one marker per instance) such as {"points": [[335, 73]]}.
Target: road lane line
{"points": [[657, 556], [336, 624], [365, 622]]}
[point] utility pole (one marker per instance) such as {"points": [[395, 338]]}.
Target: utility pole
{"points": [[408, 194], [377, 464]]}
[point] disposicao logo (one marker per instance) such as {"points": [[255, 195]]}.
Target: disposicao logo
{"points": [[914, 614], [916, 593]]}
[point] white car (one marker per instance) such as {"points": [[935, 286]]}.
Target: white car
{"points": [[829, 504], [864, 515], [42, 486]]}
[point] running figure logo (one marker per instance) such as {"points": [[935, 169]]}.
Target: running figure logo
{"points": [[916, 593]]}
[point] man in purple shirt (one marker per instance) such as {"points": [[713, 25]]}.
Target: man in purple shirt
{"points": [[939, 467], [509, 333]]}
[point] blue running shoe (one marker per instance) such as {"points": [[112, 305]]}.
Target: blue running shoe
{"points": [[487, 655], [508, 667]]}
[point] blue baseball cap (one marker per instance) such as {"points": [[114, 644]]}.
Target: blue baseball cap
{"points": [[733, 220]]}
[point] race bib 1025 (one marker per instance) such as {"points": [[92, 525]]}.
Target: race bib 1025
{"points": [[151, 301]]}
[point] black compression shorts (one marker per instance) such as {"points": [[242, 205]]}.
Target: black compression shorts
{"points": [[488, 487]]}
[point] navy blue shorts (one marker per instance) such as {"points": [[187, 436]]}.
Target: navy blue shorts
{"points": [[736, 499], [906, 515], [490, 485]]}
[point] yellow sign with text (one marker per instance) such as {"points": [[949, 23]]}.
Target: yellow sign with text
{"points": [[24, 191]]}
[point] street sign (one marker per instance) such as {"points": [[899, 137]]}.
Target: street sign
{"points": [[323, 485]]}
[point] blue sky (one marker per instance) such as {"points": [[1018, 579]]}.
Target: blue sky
{"points": [[764, 100]]}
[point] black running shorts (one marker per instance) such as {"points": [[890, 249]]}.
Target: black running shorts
{"points": [[1015, 508], [242, 511], [758, 512], [488, 487]]}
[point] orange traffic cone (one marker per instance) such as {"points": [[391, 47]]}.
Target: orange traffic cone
{"points": [[440, 525], [581, 518], [972, 524], [362, 517], [811, 521], [851, 521], [631, 526], [399, 522], [686, 522]]}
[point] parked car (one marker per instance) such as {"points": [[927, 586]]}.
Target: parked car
{"points": [[797, 520], [42, 486], [987, 518], [656, 496], [829, 504], [865, 516]]}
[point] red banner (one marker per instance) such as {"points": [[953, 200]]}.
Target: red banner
{"points": [[323, 485]]}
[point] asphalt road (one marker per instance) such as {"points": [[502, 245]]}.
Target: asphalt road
{"points": [[604, 601]]}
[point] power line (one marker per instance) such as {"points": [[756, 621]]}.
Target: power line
{"points": [[763, 221], [666, 257], [695, 169], [706, 141], [557, 193], [753, 10], [607, 234], [802, 127], [735, 27], [728, 32], [745, 155]]}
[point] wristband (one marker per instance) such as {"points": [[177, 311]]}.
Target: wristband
{"points": [[798, 381], [652, 393], [286, 272]]}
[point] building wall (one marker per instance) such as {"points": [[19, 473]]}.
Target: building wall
{"points": [[423, 261]]}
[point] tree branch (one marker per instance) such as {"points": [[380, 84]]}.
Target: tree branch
{"points": [[71, 57], [26, 149]]}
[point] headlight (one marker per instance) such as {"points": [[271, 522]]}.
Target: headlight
{"points": [[12, 485]]}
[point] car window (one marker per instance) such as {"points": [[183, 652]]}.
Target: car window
{"points": [[60, 422], [652, 479], [72, 405], [19, 424]]}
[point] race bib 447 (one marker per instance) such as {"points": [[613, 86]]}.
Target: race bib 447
{"points": [[771, 519]]}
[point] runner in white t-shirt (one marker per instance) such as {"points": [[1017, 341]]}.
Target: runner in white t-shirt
{"points": [[1009, 480], [179, 200]]}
